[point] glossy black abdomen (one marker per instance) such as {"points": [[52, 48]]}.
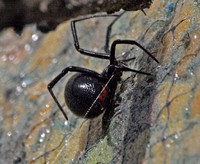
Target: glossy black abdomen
{"points": [[86, 96]]}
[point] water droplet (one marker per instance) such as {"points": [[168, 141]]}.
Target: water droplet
{"points": [[41, 140], [168, 145], [175, 76], [47, 105], [19, 89], [9, 134], [176, 136], [195, 36], [27, 47], [43, 135], [35, 37], [186, 109], [123, 53], [24, 85], [66, 123], [47, 131]]}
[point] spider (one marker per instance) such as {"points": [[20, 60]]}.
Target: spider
{"points": [[88, 93]]}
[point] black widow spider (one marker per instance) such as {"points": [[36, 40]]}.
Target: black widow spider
{"points": [[88, 93]]}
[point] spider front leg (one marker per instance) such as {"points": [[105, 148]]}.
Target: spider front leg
{"points": [[76, 42], [106, 47], [61, 75], [131, 42]]}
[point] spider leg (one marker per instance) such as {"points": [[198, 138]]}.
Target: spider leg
{"points": [[62, 74], [131, 42], [76, 42]]}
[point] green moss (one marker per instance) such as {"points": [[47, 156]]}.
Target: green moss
{"points": [[102, 152]]}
